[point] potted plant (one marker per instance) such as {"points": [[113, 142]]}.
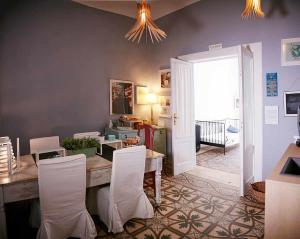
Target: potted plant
{"points": [[85, 146]]}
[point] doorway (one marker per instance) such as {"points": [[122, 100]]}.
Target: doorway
{"points": [[217, 120], [250, 117]]}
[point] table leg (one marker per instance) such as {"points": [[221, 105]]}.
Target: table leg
{"points": [[3, 233], [158, 181]]}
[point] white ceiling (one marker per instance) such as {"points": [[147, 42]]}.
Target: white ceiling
{"points": [[159, 8]]}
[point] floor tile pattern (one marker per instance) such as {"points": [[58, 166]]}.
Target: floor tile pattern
{"points": [[193, 207], [214, 158]]}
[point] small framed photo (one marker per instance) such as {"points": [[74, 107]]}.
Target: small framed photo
{"points": [[290, 52], [165, 79], [165, 107], [271, 84], [291, 103], [121, 97]]}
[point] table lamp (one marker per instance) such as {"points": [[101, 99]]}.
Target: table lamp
{"points": [[151, 100]]}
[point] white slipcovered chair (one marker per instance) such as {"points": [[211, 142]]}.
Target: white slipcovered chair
{"points": [[125, 198], [46, 145], [62, 190]]}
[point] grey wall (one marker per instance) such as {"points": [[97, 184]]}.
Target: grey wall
{"points": [[193, 28], [56, 59]]}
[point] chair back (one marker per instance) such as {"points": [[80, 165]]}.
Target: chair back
{"points": [[62, 190], [127, 174], [43, 143], [148, 134], [92, 135]]}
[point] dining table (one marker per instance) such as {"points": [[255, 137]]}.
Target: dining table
{"points": [[23, 184]]}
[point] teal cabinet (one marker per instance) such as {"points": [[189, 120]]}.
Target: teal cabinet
{"points": [[121, 134], [160, 137]]}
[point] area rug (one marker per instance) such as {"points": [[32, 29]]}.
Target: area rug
{"points": [[214, 158], [193, 207]]}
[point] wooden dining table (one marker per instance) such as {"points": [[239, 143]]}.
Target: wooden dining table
{"points": [[23, 185]]}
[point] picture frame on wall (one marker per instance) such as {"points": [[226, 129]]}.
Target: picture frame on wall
{"points": [[291, 103], [165, 107], [121, 97], [290, 52], [165, 79]]}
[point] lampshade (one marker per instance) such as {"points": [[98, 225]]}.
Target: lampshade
{"points": [[151, 99], [253, 8], [145, 23]]}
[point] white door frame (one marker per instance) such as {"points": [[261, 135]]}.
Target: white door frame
{"points": [[256, 48]]}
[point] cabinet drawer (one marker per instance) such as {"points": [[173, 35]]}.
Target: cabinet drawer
{"points": [[100, 177], [21, 191], [126, 135]]}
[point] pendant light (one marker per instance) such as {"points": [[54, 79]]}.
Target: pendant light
{"points": [[253, 8], [144, 22]]}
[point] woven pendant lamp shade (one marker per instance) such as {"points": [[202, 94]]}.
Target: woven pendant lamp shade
{"points": [[145, 23]]}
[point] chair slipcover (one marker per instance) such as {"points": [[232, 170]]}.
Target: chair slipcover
{"points": [[125, 198], [62, 187], [44, 143]]}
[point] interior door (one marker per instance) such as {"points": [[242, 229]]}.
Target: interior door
{"points": [[183, 121], [246, 65]]}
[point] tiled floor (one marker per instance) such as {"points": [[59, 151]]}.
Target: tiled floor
{"points": [[213, 157], [193, 207], [217, 175]]}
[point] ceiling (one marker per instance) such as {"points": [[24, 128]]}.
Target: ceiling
{"points": [[127, 8]]}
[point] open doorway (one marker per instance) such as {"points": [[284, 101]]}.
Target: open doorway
{"points": [[217, 119], [249, 105]]}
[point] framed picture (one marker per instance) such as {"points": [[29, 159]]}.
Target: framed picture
{"points": [[271, 84], [290, 52], [121, 97], [291, 103], [165, 107], [165, 79]]}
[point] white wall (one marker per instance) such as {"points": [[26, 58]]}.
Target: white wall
{"points": [[216, 89]]}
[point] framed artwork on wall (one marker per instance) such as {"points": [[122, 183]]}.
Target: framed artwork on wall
{"points": [[291, 103], [165, 79], [271, 84], [121, 97], [165, 107], [290, 52]]}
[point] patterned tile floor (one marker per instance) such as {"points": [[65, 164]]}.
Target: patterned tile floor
{"points": [[193, 207], [213, 157]]}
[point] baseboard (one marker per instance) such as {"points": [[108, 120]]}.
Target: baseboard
{"points": [[248, 184]]}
